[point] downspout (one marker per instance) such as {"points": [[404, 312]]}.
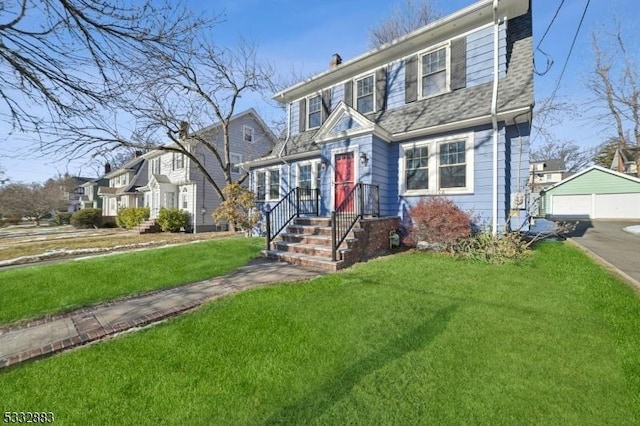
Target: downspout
{"points": [[284, 145], [494, 117]]}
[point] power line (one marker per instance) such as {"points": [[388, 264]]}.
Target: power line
{"points": [[566, 62], [548, 57]]}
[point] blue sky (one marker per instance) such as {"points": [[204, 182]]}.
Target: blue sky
{"points": [[302, 35]]}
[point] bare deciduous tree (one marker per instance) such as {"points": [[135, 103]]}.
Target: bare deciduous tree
{"points": [[198, 84], [405, 17], [574, 157], [614, 85], [67, 55], [34, 201]]}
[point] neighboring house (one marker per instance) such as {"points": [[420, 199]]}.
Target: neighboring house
{"points": [[417, 118], [123, 182], [176, 181], [89, 198], [73, 191], [594, 193], [542, 175], [627, 160], [546, 173]]}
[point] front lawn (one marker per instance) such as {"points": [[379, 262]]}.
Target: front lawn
{"points": [[39, 290], [410, 339]]}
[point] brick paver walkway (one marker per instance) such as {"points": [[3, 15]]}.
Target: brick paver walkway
{"points": [[45, 336]]}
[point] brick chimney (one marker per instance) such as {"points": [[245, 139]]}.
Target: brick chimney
{"points": [[184, 129], [335, 60]]}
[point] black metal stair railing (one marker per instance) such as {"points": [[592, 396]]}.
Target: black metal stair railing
{"points": [[296, 202], [362, 200]]}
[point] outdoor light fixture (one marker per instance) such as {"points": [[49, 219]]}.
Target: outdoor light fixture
{"points": [[324, 163], [364, 159]]}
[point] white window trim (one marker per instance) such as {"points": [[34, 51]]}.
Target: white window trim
{"points": [[308, 99], [354, 91], [447, 70], [434, 169], [314, 172], [267, 183], [253, 133]]}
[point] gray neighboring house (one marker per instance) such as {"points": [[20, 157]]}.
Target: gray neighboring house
{"points": [[121, 189], [90, 198], [173, 180]]}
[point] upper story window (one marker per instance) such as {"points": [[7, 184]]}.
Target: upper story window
{"points": [[439, 166], [178, 161], [434, 72], [155, 166], [247, 134], [365, 89], [314, 113]]}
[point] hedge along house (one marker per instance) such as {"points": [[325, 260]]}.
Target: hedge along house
{"points": [[445, 110]]}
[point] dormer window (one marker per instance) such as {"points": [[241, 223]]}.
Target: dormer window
{"points": [[365, 89], [314, 112], [434, 72]]}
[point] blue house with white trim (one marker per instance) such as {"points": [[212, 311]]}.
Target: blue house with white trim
{"points": [[445, 110]]}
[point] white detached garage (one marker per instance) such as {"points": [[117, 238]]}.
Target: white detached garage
{"points": [[594, 193]]}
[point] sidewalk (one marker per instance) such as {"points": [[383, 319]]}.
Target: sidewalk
{"points": [[45, 336]]}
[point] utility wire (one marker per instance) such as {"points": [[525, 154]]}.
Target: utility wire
{"points": [[566, 62], [547, 56]]}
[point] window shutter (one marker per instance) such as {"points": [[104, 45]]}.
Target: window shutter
{"points": [[381, 89], [411, 79], [348, 93], [326, 104], [302, 110], [459, 63]]}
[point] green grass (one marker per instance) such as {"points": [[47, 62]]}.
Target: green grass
{"points": [[410, 339], [39, 290]]}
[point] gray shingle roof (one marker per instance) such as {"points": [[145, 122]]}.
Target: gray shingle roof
{"points": [[515, 91]]}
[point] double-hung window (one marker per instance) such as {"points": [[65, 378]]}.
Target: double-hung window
{"points": [[178, 161], [365, 94], [434, 72], [261, 185], [305, 177], [314, 113], [453, 165], [274, 184], [235, 159], [438, 166], [247, 134], [417, 168]]}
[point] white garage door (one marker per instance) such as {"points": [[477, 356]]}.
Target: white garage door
{"points": [[617, 206], [571, 205], [597, 206]]}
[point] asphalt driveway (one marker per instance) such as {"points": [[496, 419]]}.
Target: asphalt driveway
{"points": [[608, 241]]}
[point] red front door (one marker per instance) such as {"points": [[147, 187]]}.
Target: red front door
{"points": [[344, 180]]}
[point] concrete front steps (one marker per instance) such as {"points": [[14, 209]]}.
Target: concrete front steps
{"points": [[149, 227], [307, 242]]}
